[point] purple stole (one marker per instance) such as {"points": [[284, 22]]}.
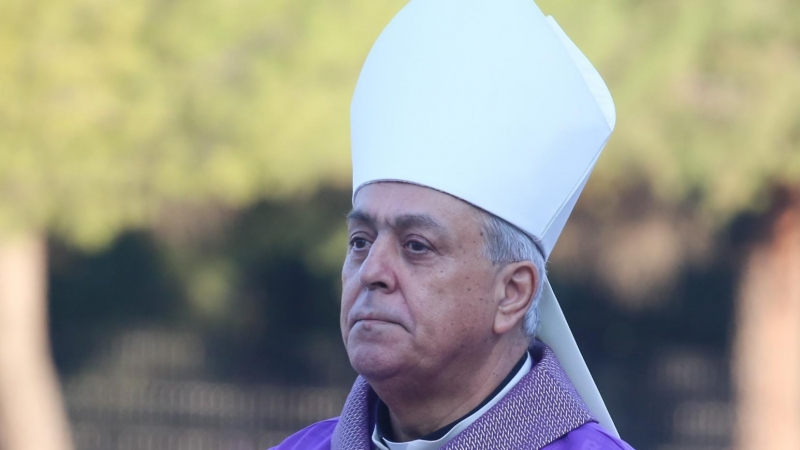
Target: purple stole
{"points": [[541, 408]]}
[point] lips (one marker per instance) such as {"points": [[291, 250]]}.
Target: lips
{"points": [[372, 318]]}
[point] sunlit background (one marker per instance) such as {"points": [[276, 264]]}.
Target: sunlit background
{"points": [[174, 176]]}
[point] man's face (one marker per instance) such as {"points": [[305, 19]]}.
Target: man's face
{"points": [[417, 290]]}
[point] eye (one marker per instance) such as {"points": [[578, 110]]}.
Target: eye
{"points": [[416, 246], [358, 243]]}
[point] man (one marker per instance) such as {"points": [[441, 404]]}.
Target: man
{"points": [[475, 125]]}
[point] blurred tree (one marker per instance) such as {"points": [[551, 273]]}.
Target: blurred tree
{"points": [[708, 101], [112, 112], [30, 410]]}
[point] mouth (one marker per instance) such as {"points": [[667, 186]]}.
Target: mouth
{"points": [[374, 320], [370, 321], [371, 326]]}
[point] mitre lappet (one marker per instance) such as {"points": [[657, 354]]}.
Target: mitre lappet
{"points": [[488, 101]]}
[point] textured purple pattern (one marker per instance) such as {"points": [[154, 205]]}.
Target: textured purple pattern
{"points": [[589, 436], [354, 430], [543, 407], [314, 437]]}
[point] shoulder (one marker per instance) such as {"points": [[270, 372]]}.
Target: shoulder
{"points": [[313, 437], [590, 436]]}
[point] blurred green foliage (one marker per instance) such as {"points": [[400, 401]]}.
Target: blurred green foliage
{"points": [[707, 96], [112, 111], [117, 115]]}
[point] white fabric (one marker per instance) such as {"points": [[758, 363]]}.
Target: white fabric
{"points": [[435, 445], [555, 332], [483, 100], [488, 101]]}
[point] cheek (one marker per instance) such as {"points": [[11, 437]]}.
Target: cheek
{"points": [[351, 287], [350, 276], [466, 308]]}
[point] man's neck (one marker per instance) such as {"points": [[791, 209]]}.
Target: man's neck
{"points": [[421, 407]]}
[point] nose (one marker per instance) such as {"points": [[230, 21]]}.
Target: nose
{"points": [[377, 271]]}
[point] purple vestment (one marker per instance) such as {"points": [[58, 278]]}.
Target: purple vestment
{"points": [[542, 412]]}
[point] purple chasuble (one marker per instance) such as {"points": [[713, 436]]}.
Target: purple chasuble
{"points": [[542, 412]]}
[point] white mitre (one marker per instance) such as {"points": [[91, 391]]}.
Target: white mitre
{"points": [[489, 101]]}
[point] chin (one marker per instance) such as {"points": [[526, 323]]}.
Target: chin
{"points": [[375, 361]]}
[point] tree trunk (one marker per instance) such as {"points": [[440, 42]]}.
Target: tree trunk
{"points": [[31, 413], [767, 346]]}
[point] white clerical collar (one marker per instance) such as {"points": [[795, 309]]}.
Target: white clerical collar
{"points": [[420, 444]]}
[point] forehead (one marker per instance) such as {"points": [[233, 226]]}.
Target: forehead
{"points": [[387, 200]]}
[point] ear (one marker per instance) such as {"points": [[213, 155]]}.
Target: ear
{"points": [[518, 281]]}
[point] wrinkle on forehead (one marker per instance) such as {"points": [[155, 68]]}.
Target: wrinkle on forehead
{"points": [[402, 207]]}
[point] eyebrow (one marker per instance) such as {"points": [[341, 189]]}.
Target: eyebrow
{"points": [[401, 222]]}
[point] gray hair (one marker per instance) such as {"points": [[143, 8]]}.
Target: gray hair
{"points": [[505, 243]]}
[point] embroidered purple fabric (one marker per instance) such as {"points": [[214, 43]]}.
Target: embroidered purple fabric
{"points": [[543, 411]]}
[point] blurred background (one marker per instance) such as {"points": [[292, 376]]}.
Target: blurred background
{"points": [[174, 176]]}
